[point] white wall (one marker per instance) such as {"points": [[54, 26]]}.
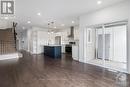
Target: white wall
{"points": [[29, 38], [119, 46], [37, 37], [25, 45], [128, 43], [110, 14], [23, 41], [5, 24], [42, 39]]}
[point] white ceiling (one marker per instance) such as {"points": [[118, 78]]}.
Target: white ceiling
{"points": [[60, 11]]}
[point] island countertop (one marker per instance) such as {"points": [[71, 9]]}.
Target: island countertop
{"points": [[52, 45]]}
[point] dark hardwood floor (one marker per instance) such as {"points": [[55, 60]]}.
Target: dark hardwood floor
{"points": [[41, 71]]}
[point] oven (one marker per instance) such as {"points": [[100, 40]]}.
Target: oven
{"points": [[68, 48]]}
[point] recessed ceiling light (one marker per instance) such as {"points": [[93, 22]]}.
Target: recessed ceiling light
{"points": [[73, 22], [99, 2], [23, 28], [39, 14], [29, 22], [62, 24], [54, 27], [6, 18]]}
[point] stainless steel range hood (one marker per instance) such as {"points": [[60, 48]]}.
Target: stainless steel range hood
{"points": [[71, 36]]}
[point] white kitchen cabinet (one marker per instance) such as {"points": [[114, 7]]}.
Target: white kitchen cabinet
{"points": [[75, 52], [63, 48]]}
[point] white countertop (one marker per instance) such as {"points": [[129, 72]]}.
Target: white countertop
{"points": [[52, 45]]}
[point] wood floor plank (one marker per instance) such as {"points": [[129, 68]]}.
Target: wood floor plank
{"points": [[42, 71]]}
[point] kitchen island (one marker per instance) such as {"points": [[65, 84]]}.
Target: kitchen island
{"points": [[53, 51]]}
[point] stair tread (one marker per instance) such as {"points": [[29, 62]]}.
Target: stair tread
{"points": [[7, 41]]}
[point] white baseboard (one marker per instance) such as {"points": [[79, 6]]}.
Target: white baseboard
{"points": [[11, 56]]}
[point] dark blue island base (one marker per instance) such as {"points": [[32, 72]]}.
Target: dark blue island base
{"points": [[52, 51]]}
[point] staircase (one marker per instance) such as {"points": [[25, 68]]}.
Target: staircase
{"points": [[7, 41]]}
